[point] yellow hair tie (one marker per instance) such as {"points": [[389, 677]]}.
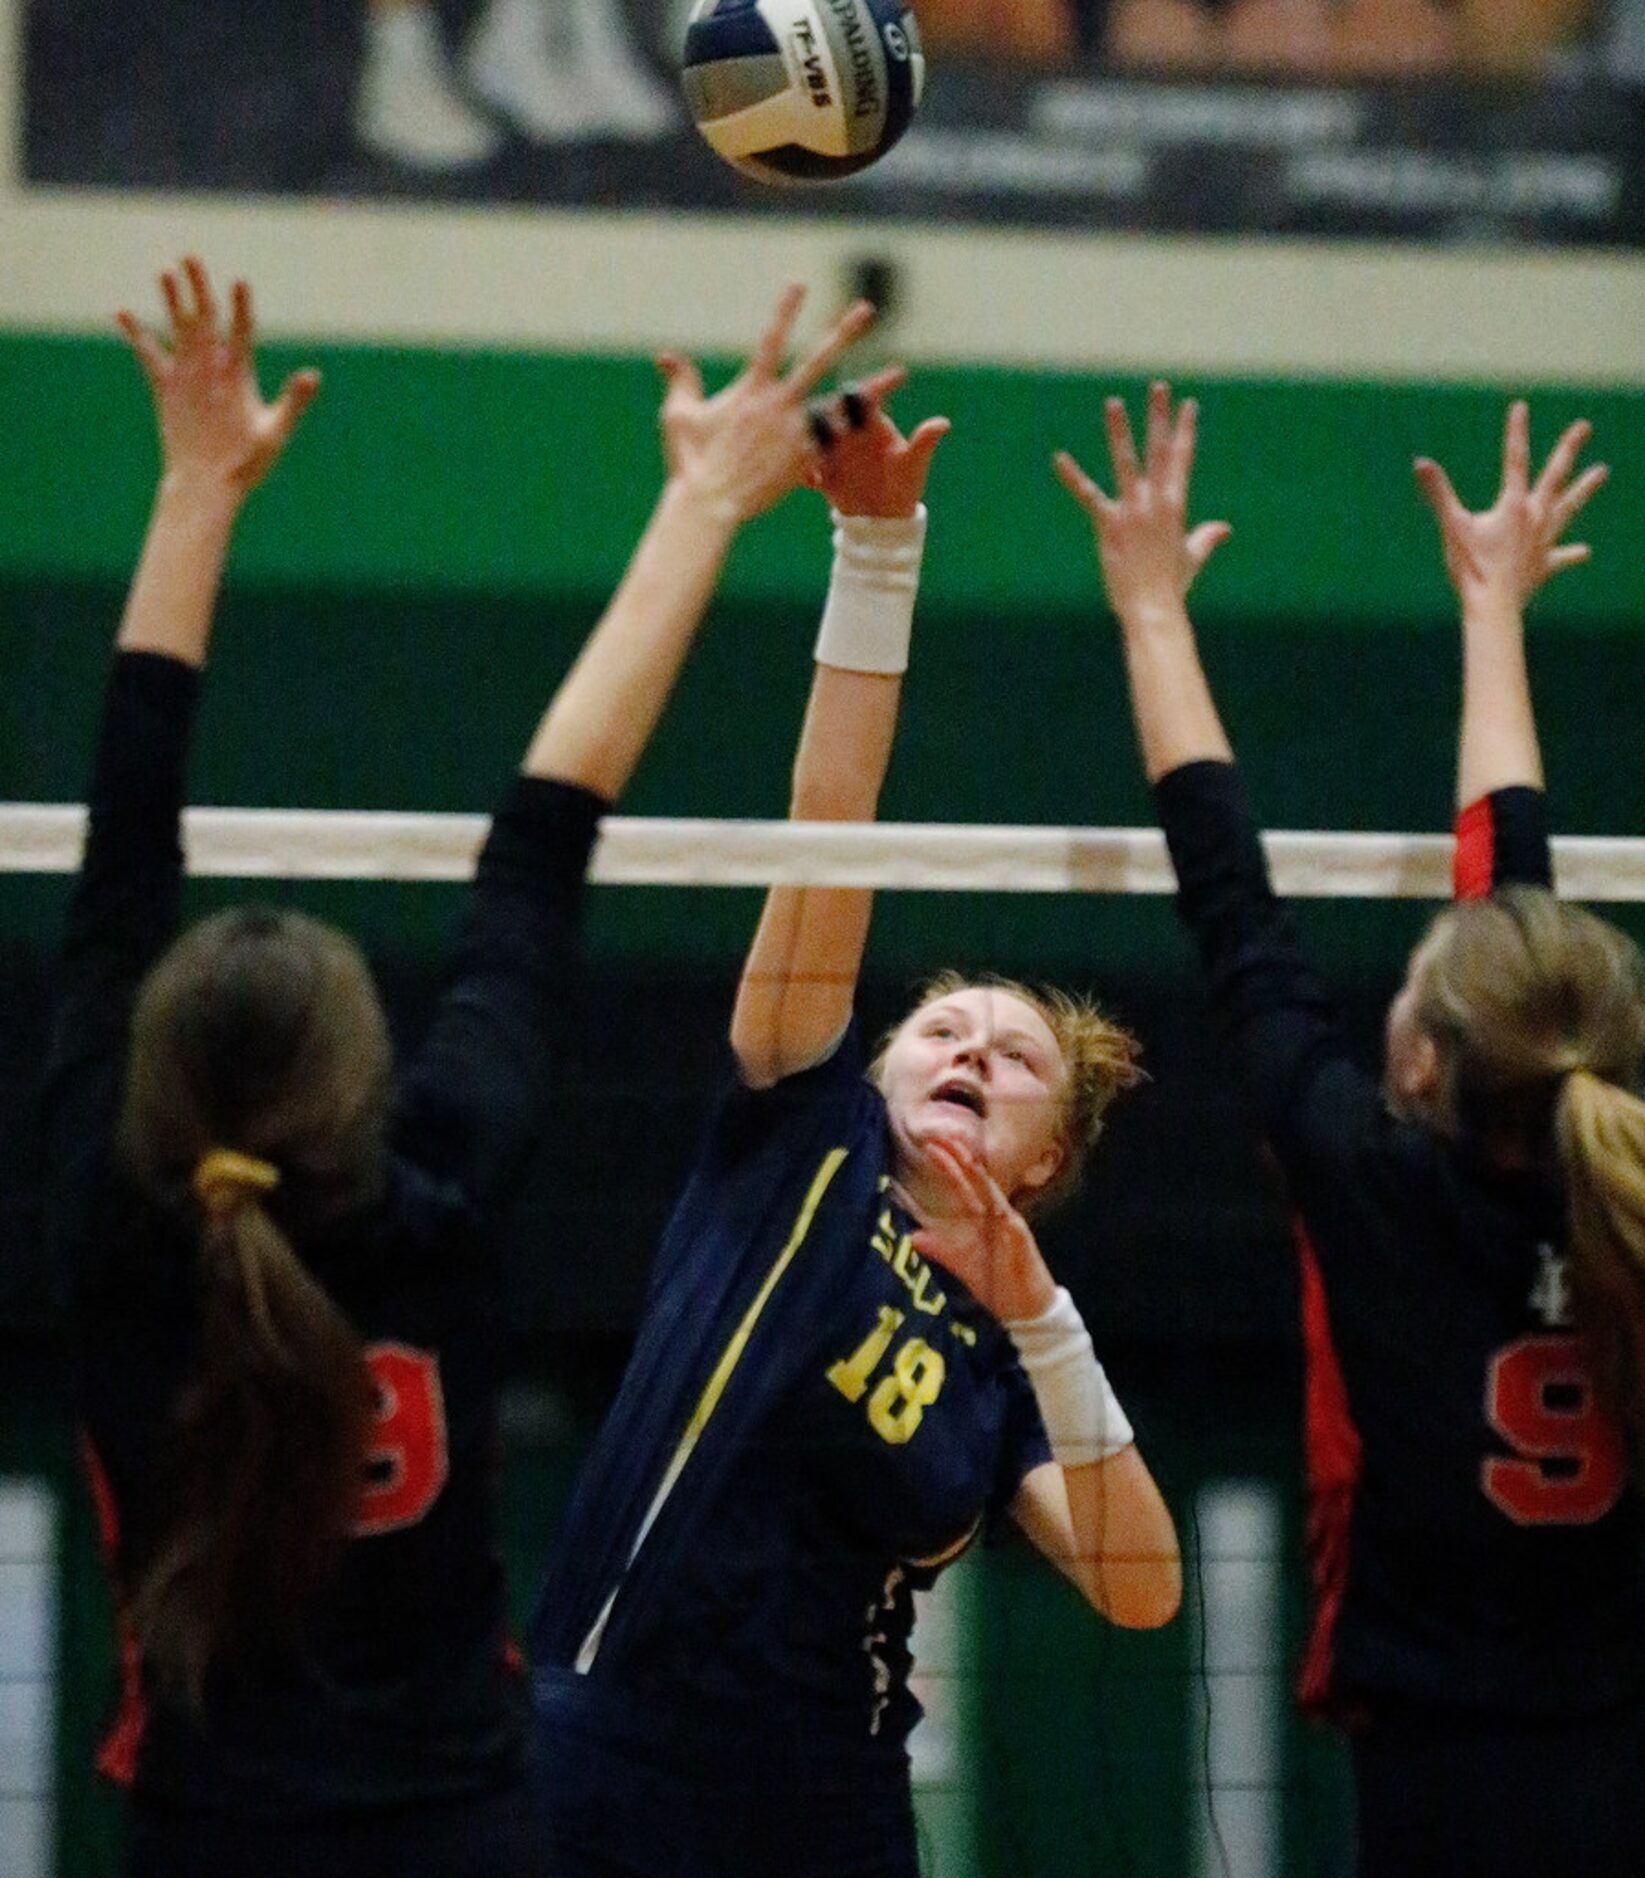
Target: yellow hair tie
{"points": [[223, 1179]]}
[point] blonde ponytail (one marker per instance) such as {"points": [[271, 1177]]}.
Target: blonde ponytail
{"points": [[1599, 1135], [1537, 1010]]}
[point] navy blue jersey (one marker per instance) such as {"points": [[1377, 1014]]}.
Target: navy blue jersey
{"points": [[814, 1421], [1488, 1547], [400, 1691], [871, 1473]]}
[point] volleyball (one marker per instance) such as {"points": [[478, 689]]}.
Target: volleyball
{"points": [[802, 91]]}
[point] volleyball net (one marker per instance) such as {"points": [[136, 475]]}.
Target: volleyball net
{"points": [[1052, 1745], [640, 851]]}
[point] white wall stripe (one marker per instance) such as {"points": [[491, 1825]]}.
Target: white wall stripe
{"points": [[945, 1749], [1239, 1723], [28, 1676], [574, 281]]}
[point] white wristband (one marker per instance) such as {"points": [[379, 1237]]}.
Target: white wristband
{"points": [[869, 616], [1082, 1415]]}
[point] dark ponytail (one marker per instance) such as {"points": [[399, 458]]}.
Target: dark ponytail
{"points": [[255, 1091]]}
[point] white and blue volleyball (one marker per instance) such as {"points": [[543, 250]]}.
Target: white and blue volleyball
{"points": [[802, 91]]}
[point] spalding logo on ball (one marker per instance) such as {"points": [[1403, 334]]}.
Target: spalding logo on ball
{"points": [[802, 91]]}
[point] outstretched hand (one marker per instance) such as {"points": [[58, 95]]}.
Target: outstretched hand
{"points": [[1149, 556], [743, 449], [1508, 550], [984, 1241], [214, 424], [866, 466]]}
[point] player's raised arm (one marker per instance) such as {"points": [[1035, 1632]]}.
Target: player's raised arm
{"points": [[486, 1054], [730, 457], [218, 440], [1497, 559], [801, 975], [1150, 559], [1264, 992]]}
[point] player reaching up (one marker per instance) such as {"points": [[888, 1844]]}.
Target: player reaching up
{"points": [[287, 1286], [1474, 1291], [852, 1358]]}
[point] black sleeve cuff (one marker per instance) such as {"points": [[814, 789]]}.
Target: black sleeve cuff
{"points": [[1501, 840], [1519, 817], [1208, 824], [545, 829]]}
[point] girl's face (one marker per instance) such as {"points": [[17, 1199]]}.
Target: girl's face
{"points": [[979, 1067], [1411, 1065]]}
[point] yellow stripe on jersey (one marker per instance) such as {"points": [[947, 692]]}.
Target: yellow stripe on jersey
{"points": [[732, 1353], [709, 1400]]}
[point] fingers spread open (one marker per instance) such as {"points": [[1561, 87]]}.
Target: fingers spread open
{"points": [[151, 355], [1436, 489], [927, 435], [878, 386], [1158, 446], [172, 294], [679, 374], [242, 323], [296, 395], [1573, 554], [855, 408], [767, 356], [205, 302], [1562, 458], [850, 325], [1204, 541], [1120, 449], [1184, 436], [1079, 485], [960, 1175], [1516, 449], [1576, 497]]}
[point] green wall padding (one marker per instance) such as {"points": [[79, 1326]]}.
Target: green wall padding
{"points": [[489, 472]]}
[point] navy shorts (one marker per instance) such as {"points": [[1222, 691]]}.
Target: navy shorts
{"points": [[625, 1790]]}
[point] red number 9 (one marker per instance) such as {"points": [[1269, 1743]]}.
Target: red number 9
{"points": [[407, 1463], [1519, 1404]]}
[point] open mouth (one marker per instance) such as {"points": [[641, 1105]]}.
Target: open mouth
{"points": [[962, 1095]]}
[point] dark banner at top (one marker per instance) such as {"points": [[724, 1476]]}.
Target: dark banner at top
{"points": [[1477, 120]]}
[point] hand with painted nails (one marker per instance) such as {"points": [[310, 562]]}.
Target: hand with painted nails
{"points": [[866, 466], [215, 428], [743, 449], [1149, 556], [982, 1239], [1509, 550]]}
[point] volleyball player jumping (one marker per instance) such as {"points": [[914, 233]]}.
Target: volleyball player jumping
{"points": [[286, 1263], [1475, 1286], [852, 1355]]}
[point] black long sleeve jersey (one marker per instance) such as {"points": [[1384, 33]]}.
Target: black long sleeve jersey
{"points": [[1473, 1535], [401, 1690]]}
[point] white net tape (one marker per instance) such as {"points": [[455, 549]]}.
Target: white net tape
{"points": [[314, 844]]}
